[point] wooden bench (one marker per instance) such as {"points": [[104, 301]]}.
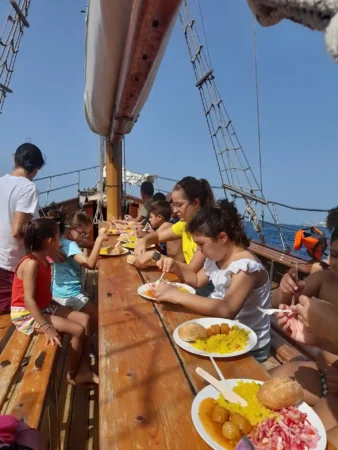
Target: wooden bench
{"points": [[25, 377], [34, 387]]}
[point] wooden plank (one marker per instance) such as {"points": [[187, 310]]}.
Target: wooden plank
{"points": [[280, 257], [10, 360], [173, 315], [31, 395], [5, 325], [139, 409], [79, 420], [5, 321], [64, 395], [284, 351], [270, 363], [93, 424]]}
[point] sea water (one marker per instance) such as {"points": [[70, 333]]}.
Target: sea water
{"points": [[273, 238]]}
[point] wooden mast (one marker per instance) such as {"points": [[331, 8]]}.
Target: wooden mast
{"points": [[151, 21], [114, 178]]}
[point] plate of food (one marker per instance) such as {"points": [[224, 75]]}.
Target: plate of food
{"points": [[148, 290], [127, 239], [131, 261], [211, 336], [276, 417], [131, 245], [113, 232], [113, 251]]}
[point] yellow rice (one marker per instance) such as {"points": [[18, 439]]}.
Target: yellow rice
{"points": [[223, 344], [255, 412]]}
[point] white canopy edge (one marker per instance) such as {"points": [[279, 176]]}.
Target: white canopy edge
{"points": [[106, 33]]}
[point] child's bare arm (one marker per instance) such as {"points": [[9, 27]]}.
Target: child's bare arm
{"points": [[89, 262], [83, 243]]}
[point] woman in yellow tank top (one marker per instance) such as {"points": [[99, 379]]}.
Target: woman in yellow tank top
{"points": [[188, 196]]}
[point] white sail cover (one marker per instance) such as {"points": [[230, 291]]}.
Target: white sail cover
{"points": [[106, 32]]}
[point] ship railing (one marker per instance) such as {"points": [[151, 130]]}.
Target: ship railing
{"points": [[166, 187], [284, 231], [77, 182]]}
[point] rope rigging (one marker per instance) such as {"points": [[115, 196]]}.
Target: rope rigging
{"points": [[10, 39], [238, 179]]}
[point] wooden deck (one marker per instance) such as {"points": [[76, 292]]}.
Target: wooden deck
{"points": [[77, 408], [149, 383], [139, 365], [71, 422]]}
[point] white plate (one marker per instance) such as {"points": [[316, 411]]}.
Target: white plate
{"points": [[124, 252], [211, 392], [147, 286], [207, 322], [126, 245]]}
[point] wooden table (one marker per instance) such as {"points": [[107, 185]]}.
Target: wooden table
{"points": [[147, 383]]}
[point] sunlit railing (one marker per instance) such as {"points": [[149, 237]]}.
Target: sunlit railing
{"points": [[77, 183]]}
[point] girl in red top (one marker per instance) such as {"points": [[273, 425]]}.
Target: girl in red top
{"points": [[32, 310]]}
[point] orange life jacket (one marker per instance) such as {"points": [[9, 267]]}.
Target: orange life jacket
{"points": [[314, 241]]}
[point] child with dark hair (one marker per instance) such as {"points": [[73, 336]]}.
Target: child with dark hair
{"points": [[32, 310], [159, 213], [240, 281], [159, 196], [159, 220], [67, 282]]}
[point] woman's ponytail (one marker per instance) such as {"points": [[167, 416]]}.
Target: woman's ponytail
{"points": [[208, 198], [234, 221], [27, 233], [196, 189], [211, 221]]}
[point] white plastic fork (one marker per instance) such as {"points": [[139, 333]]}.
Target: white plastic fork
{"points": [[160, 279], [222, 386], [271, 311]]}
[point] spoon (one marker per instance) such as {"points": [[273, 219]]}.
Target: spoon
{"points": [[271, 311]]}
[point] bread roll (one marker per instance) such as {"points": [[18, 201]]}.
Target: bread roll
{"points": [[192, 331], [279, 393]]}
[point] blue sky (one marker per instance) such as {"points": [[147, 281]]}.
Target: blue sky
{"points": [[298, 98]]}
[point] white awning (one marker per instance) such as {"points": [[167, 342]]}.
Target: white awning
{"points": [[114, 26], [106, 33]]}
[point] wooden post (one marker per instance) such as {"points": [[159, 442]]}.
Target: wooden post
{"points": [[113, 179]]}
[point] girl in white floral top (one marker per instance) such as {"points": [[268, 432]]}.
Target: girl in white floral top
{"points": [[240, 280]]}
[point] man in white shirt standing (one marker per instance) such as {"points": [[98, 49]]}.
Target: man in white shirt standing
{"points": [[19, 202]]}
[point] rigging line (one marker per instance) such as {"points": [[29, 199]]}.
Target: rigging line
{"points": [[257, 105], [204, 33]]}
